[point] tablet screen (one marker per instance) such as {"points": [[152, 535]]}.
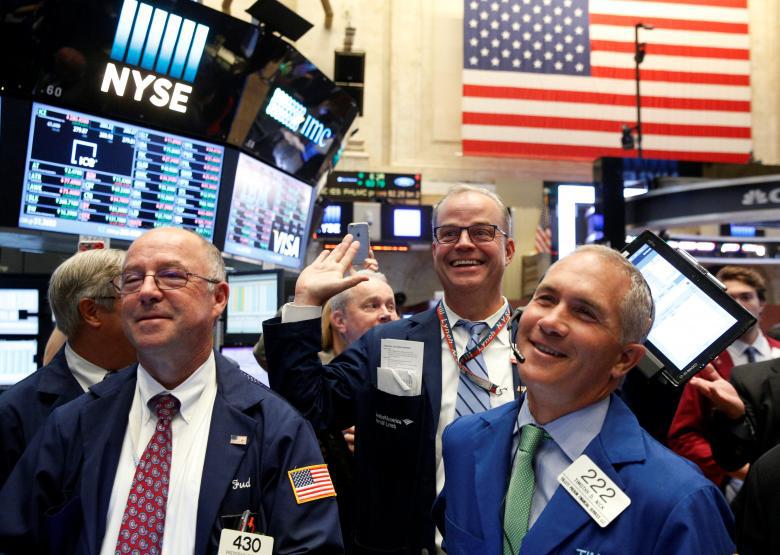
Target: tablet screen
{"points": [[695, 319]]}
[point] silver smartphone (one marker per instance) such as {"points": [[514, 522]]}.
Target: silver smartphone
{"points": [[359, 232]]}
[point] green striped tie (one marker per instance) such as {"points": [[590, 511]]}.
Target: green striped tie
{"points": [[521, 489]]}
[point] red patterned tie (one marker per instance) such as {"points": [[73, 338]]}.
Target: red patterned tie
{"points": [[144, 520]]}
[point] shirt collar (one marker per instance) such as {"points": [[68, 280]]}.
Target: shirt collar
{"points": [[188, 392], [453, 317], [572, 432], [86, 373], [761, 345]]}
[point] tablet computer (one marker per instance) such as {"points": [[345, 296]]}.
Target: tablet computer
{"points": [[695, 319]]}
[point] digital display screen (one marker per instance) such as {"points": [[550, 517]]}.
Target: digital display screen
{"points": [[18, 311], [406, 223], [373, 185], [174, 64], [94, 176], [335, 218], [269, 215], [17, 360], [245, 358], [293, 117], [687, 320], [253, 298]]}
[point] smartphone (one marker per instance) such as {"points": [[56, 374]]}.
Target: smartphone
{"points": [[359, 232]]}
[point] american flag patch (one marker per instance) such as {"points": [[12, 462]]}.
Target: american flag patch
{"points": [[311, 482]]}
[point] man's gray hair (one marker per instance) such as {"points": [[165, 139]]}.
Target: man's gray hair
{"points": [[466, 188], [637, 310], [85, 275], [340, 300]]}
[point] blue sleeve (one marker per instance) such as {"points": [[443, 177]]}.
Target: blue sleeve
{"points": [[308, 527], [700, 524], [324, 394]]}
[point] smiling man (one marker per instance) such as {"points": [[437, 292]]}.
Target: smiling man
{"points": [[400, 383], [515, 473], [166, 454]]}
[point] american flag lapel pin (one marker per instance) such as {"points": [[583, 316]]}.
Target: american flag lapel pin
{"points": [[237, 440]]}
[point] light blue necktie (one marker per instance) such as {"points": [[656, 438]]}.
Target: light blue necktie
{"points": [[472, 398]]}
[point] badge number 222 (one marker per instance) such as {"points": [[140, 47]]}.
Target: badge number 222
{"points": [[597, 485]]}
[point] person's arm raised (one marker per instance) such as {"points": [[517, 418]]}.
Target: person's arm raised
{"points": [[325, 277]]}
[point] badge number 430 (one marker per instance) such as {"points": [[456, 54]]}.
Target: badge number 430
{"points": [[233, 542]]}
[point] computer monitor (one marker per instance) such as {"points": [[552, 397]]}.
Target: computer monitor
{"points": [[269, 215], [406, 223], [335, 218], [19, 311], [17, 360], [90, 175], [244, 357], [254, 297]]}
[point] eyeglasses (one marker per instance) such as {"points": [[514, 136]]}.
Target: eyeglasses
{"points": [[165, 279], [478, 233]]}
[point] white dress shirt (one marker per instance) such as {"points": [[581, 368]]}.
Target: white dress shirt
{"points": [[763, 350], [86, 373], [190, 432]]}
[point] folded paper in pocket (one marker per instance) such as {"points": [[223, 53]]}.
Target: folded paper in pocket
{"points": [[404, 383]]}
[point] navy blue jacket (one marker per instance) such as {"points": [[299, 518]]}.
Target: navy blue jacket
{"points": [[26, 406], [395, 442], [57, 497], [674, 508]]}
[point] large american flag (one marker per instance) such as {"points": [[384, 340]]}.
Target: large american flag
{"points": [[555, 78]]}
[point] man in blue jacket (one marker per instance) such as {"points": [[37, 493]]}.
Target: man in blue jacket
{"points": [[86, 308], [567, 469], [168, 456]]}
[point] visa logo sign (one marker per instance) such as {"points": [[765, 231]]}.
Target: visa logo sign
{"points": [[286, 244], [155, 40], [292, 114]]}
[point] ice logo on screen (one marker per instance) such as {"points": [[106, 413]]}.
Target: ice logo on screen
{"points": [[286, 244], [158, 41], [83, 154]]}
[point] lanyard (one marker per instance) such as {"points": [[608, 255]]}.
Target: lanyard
{"points": [[461, 361]]}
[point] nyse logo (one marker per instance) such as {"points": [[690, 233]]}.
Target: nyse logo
{"points": [[153, 39], [286, 244]]}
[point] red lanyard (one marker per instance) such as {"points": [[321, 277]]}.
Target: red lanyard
{"points": [[461, 361]]}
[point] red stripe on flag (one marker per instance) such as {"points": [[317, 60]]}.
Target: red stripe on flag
{"points": [[516, 93], [671, 76], [709, 3], [673, 50], [662, 23], [584, 124], [576, 152]]}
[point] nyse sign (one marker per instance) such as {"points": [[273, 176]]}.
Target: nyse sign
{"points": [[164, 44]]}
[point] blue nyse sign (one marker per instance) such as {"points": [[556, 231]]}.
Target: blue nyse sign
{"points": [[155, 40]]}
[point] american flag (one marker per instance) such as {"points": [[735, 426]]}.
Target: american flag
{"points": [[555, 78], [543, 236], [311, 482]]}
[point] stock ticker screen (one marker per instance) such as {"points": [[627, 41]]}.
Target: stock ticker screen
{"points": [[94, 176]]}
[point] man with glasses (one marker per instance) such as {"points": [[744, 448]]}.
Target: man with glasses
{"points": [[86, 309], [451, 360], [169, 455]]}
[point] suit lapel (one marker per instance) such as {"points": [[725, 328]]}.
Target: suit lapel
{"points": [[222, 456], [103, 424], [618, 443], [491, 469]]}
